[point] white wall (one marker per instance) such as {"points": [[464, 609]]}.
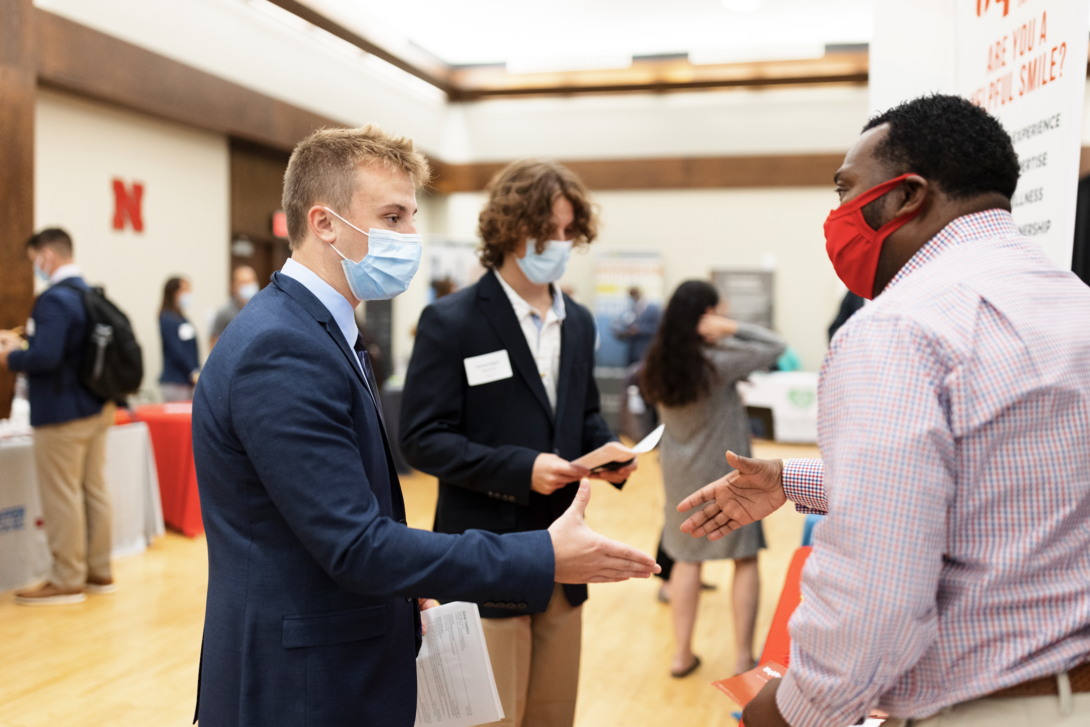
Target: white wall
{"points": [[79, 148], [700, 230], [707, 123]]}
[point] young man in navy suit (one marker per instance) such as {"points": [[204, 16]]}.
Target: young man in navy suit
{"points": [[499, 399], [70, 426], [314, 578]]}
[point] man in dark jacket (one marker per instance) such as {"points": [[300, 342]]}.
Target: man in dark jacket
{"points": [[70, 426], [499, 399]]}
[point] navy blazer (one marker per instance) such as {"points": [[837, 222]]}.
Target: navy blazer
{"points": [[481, 441], [181, 359], [312, 573], [52, 361]]}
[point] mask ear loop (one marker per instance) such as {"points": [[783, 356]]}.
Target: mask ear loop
{"points": [[350, 225]]}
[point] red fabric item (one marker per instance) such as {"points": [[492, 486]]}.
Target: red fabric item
{"points": [[778, 644], [777, 651], [852, 245], [170, 426]]}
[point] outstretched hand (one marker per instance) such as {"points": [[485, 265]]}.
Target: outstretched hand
{"points": [[751, 492], [584, 556]]}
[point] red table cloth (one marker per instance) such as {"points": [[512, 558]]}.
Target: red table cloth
{"points": [[170, 426]]}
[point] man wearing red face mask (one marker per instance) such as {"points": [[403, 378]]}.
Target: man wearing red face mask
{"points": [[950, 582]]}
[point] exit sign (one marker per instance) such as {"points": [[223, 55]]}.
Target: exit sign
{"points": [[280, 224]]}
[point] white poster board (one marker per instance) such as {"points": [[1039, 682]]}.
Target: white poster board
{"points": [[1025, 62], [615, 272], [1022, 60]]}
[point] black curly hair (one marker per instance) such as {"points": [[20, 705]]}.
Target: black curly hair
{"points": [[950, 142]]}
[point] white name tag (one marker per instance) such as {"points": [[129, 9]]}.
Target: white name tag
{"points": [[488, 367], [30, 327], [187, 332]]}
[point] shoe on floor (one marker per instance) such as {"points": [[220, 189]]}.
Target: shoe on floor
{"points": [[100, 586], [49, 595], [686, 672]]}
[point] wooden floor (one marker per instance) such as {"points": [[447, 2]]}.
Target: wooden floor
{"points": [[130, 659]]}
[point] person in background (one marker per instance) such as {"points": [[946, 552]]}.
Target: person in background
{"points": [[499, 399], [690, 373], [637, 326], [243, 287], [70, 425], [181, 359]]}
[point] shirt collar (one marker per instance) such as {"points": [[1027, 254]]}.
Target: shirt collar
{"points": [[70, 270], [335, 303], [523, 309], [996, 223]]}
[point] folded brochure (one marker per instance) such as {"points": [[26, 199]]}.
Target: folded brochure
{"points": [[744, 687], [614, 455]]}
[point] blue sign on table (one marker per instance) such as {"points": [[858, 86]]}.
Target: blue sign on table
{"points": [[12, 518]]}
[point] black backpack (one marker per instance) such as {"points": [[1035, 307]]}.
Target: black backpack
{"points": [[112, 366]]}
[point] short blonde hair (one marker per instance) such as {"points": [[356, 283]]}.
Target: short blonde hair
{"points": [[324, 165]]}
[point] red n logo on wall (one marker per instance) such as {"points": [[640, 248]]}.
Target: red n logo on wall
{"points": [[127, 204]]}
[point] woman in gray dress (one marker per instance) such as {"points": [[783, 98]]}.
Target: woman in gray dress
{"points": [[692, 367]]}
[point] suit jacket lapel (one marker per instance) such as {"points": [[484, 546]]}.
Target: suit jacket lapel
{"points": [[321, 314], [498, 310]]}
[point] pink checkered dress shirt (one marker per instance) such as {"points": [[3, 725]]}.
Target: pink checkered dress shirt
{"points": [[955, 426]]}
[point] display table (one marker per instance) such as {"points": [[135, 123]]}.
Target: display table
{"points": [[134, 492], [792, 397], [172, 437]]}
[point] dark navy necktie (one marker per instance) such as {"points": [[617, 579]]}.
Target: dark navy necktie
{"points": [[369, 374]]}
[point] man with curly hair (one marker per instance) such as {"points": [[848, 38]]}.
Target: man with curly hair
{"points": [[499, 399]]}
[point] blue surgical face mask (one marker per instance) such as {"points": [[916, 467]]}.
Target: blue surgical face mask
{"points": [[391, 262], [185, 300], [41, 274], [548, 266], [248, 291]]}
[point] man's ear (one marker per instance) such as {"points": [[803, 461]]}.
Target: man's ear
{"points": [[915, 193], [320, 223]]}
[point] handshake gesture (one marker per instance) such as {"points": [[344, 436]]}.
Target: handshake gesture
{"points": [[751, 492]]}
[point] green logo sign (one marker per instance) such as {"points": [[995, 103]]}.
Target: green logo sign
{"points": [[802, 398]]}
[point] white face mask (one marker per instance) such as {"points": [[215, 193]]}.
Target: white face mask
{"points": [[248, 291], [386, 270], [548, 266]]}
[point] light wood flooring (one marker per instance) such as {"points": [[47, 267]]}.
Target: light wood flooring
{"points": [[130, 659]]}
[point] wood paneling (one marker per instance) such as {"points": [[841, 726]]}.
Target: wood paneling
{"points": [[658, 76], [17, 95], [257, 181], [789, 170], [75, 58]]}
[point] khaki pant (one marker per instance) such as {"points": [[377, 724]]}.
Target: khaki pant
{"points": [[535, 660], [1008, 712], [70, 459]]}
